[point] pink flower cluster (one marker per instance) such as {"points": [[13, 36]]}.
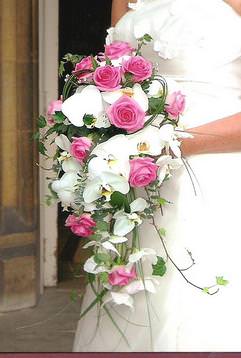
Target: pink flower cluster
{"points": [[175, 104], [54, 106], [121, 276], [82, 226], [143, 172], [80, 147], [108, 77]]}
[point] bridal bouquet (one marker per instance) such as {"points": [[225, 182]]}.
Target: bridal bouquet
{"points": [[117, 141]]}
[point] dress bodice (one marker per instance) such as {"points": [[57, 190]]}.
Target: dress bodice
{"points": [[197, 42]]}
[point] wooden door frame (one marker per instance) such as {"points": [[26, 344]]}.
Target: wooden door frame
{"points": [[48, 90]]}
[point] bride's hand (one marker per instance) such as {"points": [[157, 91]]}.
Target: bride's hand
{"points": [[236, 5]]}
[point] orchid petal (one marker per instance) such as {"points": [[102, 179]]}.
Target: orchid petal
{"points": [[71, 165], [140, 97], [138, 205], [118, 239], [122, 299], [123, 226], [142, 253], [91, 266], [92, 190], [108, 246], [63, 142], [88, 101]]}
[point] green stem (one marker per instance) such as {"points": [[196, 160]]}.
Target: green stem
{"points": [[110, 316]]}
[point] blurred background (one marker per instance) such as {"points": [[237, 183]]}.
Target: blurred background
{"points": [[36, 251]]}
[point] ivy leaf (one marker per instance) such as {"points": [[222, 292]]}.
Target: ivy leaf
{"points": [[42, 122], [101, 258], [163, 201], [120, 201], [59, 117], [88, 119], [221, 281], [102, 226], [94, 63], [206, 290], [162, 231], [104, 277], [74, 296], [155, 105], [91, 277], [42, 149], [159, 269], [147, 38]]}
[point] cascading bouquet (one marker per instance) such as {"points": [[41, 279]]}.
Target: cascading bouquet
{"points": [[116, 132]]}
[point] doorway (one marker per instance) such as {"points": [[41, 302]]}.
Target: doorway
{"points": [[82, 30]]}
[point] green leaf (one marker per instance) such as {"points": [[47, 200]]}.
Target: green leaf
{"points": [[104, 277], [155, 105], [74, 296], [91, 277], [147, 38], [120, 201], [101, 258], [41, 148], [88, 119], [96, 237], [42, 122], [162, 231], [205, 289], [36, 135], [159, 269], [94, 63], [162, 201], [108, 61], [221, 281], [61, 68], [59, 117], [102, 226]]}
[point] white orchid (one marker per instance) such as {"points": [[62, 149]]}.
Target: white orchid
{"points": [[166, 164], [143, 254], [124, 295], [169, 137], [68, 163], [107, 243], [146, 141], [65, 188], [136, 93], [86, 100], [91, 266], [112, 156], [125, 222], [104, 185]]}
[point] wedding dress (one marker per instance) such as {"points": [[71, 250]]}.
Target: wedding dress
{"points": [[198, 44]]}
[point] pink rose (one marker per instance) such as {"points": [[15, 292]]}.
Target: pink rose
{"points": [[175, 104], [121, 276], [79, 148], [83, 68], [117, 49], [139, 67], [54, 106], [142, 171], [127, 114], [81, 226], [107, 78]]}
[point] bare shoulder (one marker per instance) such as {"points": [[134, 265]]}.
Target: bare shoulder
{"points": [[236, 5], [119, 8]]}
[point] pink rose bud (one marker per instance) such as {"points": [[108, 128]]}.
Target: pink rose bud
{"points": [[54, 106], [142, 171], [83, 68], [139, 67], [117, 49], [107, 78], [126, 113], [175, 104], [121, 276], [81, 226], [79, 148]]}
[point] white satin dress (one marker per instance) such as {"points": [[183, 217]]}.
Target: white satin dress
{"points": [[198, 43]]}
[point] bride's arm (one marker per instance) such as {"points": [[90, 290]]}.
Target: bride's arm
{"points": [[236, 5], [222, 135], [119, 8]]}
